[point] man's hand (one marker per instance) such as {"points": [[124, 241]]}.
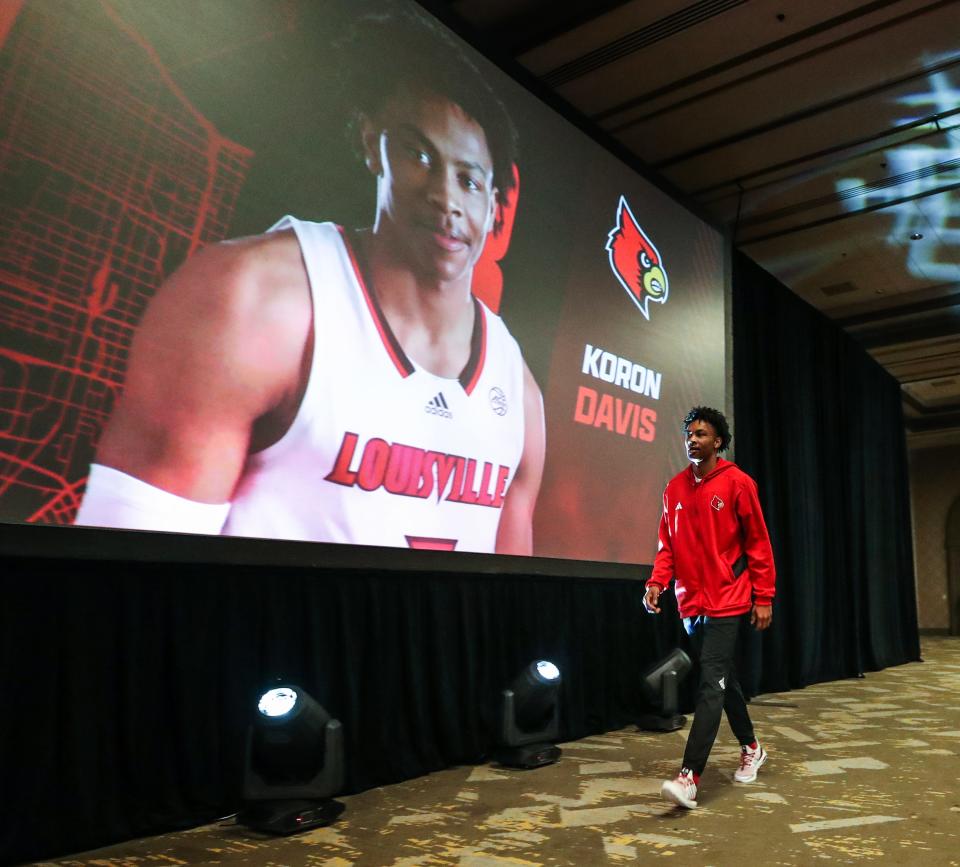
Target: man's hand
{"points": [[651, 597], [760, 616]]}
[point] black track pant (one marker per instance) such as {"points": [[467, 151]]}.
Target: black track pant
{"points": [[714, 641]]}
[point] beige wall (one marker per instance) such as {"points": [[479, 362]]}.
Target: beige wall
{"points": [[934, 485]]}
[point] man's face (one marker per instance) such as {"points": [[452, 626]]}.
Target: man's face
{"points": [[701, 441], [435, 193]]}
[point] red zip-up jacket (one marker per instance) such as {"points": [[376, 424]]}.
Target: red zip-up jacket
{"points": [[705, 528]]}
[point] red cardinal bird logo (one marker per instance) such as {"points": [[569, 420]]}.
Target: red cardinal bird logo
{"points": [[636, 261]]}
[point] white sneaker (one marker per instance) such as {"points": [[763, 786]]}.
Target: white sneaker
{"points": [[750, 761], [682, 790]]}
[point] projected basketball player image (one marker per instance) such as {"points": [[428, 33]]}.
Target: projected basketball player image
{"points": [[328, 384]]}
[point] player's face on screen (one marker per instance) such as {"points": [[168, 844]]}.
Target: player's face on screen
{"points": [[435, 193], [701, 440]]}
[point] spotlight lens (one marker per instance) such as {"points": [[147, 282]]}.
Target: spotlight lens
{"points": [[547, 670], [277, 702]]}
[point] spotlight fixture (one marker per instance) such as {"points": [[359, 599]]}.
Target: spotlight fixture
{"points": [[916, 236], [293, 764], [530, 717], [660, 683]]}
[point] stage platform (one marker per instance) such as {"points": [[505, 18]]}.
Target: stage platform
{"points": [[860, 771]]}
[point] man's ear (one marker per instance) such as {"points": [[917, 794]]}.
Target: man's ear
{"points": [[494, 205], [370, 142]]}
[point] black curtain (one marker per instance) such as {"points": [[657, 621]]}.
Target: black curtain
{"points": [[127, 686], [819, 425]]}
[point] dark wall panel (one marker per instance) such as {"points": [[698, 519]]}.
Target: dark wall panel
{"points": [[819, 424]]}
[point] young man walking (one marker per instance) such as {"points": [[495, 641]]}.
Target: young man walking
{"points": [[714, 543]]}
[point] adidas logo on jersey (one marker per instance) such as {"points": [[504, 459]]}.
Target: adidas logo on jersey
{"points": [[438, 406]]}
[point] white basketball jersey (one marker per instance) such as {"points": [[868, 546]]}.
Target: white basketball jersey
{"points": [[381, 451]]}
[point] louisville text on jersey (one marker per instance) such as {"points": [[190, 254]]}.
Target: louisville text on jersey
{"points": [[409, 471]]}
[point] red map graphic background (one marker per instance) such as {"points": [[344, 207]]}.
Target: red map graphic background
{"points": [[110, 178]]}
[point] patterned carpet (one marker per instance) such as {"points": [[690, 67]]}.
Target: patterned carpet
{"points": [[860, 771]]}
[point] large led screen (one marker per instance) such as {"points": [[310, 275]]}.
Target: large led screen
{"points": [[318, 271]]}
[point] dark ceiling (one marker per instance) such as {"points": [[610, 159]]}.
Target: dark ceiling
{"points": [[824, 134]]}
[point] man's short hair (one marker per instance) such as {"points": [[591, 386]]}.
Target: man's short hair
{"points": [[711, 416], [405, 48]]}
